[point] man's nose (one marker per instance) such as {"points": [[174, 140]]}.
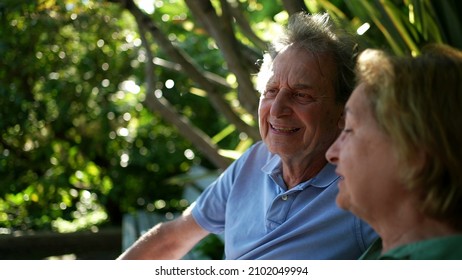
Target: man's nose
{"points": [[282, 103]]}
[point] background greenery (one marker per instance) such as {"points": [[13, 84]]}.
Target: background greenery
{"points": [[105, 106]]}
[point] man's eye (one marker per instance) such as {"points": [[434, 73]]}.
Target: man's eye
{"points": [[302, 97], [270, 93]]}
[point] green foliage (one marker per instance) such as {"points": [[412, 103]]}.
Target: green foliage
{"points": [[76, 139], [401, 26]]}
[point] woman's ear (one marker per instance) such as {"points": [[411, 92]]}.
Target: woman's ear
{"points": [[341, 120]]}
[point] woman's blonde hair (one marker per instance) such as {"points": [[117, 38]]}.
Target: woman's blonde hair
{"points": [[418, 102]]}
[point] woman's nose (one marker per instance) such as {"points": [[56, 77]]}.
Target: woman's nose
{"points": [[332, 152]]}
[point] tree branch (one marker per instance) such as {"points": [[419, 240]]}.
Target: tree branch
{"points": [[228, 45], [189, 67], [294, 6], [161, 105], [244, 25]]}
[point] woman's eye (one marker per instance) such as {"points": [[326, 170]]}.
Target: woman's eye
{"points": [[347, 130]]}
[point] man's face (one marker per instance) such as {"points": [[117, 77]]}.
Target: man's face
{"points": [[298, 113]]}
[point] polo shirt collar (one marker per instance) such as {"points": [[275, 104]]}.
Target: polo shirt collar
{"points": [[323, 179]]}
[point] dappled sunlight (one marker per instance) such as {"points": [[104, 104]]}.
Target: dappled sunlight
{"points": [[363, 28], [169, 84], [189, 154], [124, 159], [130, 86], [148, 6]]}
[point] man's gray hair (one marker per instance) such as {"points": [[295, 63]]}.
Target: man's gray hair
{"points": [[318, 34]]}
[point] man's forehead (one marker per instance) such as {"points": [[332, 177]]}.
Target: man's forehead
{"points": [[321, 62]]}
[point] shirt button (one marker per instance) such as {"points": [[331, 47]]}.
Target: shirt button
{"points": [[284, 197]]}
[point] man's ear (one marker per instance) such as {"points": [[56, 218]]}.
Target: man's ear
{"points": [[341, 120]]}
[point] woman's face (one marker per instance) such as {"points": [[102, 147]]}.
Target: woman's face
{"points": [[366, 162]]}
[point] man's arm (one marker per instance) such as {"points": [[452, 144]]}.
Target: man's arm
{"points": [[167, 241]]}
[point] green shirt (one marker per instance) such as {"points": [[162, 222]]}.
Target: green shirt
{"points": [[441, 248]]}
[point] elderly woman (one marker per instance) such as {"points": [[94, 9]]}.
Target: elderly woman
{"points": [[400, 155]]}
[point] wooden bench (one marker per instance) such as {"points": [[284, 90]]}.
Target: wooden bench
{"points": [[136, 224], [81, 245]]}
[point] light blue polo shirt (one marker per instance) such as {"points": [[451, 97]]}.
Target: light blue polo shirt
{"points": [[261, 219]]}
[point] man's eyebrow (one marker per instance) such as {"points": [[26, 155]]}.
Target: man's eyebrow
{"points": [[302, 86]]}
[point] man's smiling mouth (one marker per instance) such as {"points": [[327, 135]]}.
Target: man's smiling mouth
{"points": [[284, 129]]}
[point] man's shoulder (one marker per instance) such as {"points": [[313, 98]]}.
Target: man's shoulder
{"points": [[259, 147], [254, 159], [259, 150]]}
